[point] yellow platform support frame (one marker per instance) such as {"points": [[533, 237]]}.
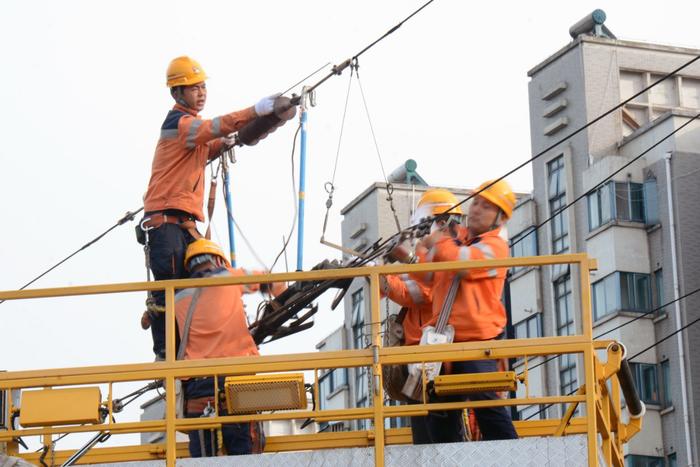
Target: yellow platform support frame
{"points": [[602, 406]]}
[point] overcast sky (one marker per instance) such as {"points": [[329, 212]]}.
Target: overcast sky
{"points": [[83, 90]]}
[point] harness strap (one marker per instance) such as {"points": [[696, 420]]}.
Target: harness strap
{"points": [[210, 206], [188, 322]]}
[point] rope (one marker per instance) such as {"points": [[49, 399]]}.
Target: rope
{"points": [[330, 186], [389, 186]]}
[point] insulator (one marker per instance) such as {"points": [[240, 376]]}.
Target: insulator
{"points": [[284, 110]]}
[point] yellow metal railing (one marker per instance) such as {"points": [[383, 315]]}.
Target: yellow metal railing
{"points": [[602, 407]]}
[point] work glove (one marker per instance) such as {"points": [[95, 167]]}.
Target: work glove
{"points": [[229, 140], [266, 105]]}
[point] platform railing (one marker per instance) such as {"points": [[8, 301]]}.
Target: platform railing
{"points": [[602, 414]]}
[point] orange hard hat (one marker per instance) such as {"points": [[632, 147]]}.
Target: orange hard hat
{"points": [[200, 247], [500, 194], [439, 201], [184, 71]]}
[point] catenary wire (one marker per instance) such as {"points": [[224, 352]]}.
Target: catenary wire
{"points": [[579, 130], [129, 216], [296, 211], [606, 179], [683, 328], [304, 79], [641, 315]]}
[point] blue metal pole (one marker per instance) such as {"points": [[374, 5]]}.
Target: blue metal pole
{"points": [[302, 193], [229, 211]]}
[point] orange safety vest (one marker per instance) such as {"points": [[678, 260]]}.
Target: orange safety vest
{"points": [[186, 143], [219, 327], [477, 312], [416, 298]]}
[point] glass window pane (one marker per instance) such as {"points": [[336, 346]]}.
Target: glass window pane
{"points": [[622, 210], [651, 202], [593, 213], [606, 204], [641, 289], [625, 302], [637, 202], [521, 330]]}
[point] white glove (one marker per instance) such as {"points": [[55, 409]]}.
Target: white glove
{"points": [[266, 105], [229, 140]]}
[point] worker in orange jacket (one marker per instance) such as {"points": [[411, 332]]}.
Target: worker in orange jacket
{"points": [[477, 312], [212, 324], [404, 289], [175, 195]]}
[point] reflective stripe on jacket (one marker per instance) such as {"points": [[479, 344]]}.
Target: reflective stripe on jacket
{"points": [[478, 312], [416, 298], [186, 143], [219, 327]]}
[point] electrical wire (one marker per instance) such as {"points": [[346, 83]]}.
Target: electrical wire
{"points": [[578, 130], [296, 211], [129, 216], [683, 328], [304, 79], [605, 180], [640, 316]]}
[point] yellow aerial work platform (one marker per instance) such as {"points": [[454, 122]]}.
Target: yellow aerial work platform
{"points": [[596, 437]]}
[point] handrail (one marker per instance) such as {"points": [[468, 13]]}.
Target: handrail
{"points": [[374, 357]]}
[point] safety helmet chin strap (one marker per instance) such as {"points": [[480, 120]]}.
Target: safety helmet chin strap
{"points": [[177, 93], [497, 222]]}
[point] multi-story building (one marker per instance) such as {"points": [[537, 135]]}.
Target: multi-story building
{"points": [[641, 225]]}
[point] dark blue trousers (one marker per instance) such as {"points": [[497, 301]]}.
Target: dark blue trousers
{"points": [[168, 244], [236, 437], [447, 426]]}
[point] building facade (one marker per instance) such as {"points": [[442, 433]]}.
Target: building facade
{"points": [[641, 225]]}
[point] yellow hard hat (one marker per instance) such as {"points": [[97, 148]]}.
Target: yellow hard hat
{"points": [[202, 246], [438, 201], [500, 194], [184, 71]]}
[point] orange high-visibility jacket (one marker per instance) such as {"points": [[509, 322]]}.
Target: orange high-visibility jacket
{"points": [[218, 327], [477, 313], [416, 298], [186, 143]]}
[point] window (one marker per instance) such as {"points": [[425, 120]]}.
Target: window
{"points": [[651, 201], [530, 327], [645, 378], [565, 327], [616, 200], [658, 298], [665, 368], [634, 460], [330, 382], [564, 307], [361, 373], [628, 291], [524, 244], [671, 459], [358, 318], [530, 412], [671, 93], [556, 193]]}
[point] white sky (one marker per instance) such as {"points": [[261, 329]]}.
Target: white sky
{"points": [[82, 85]]}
